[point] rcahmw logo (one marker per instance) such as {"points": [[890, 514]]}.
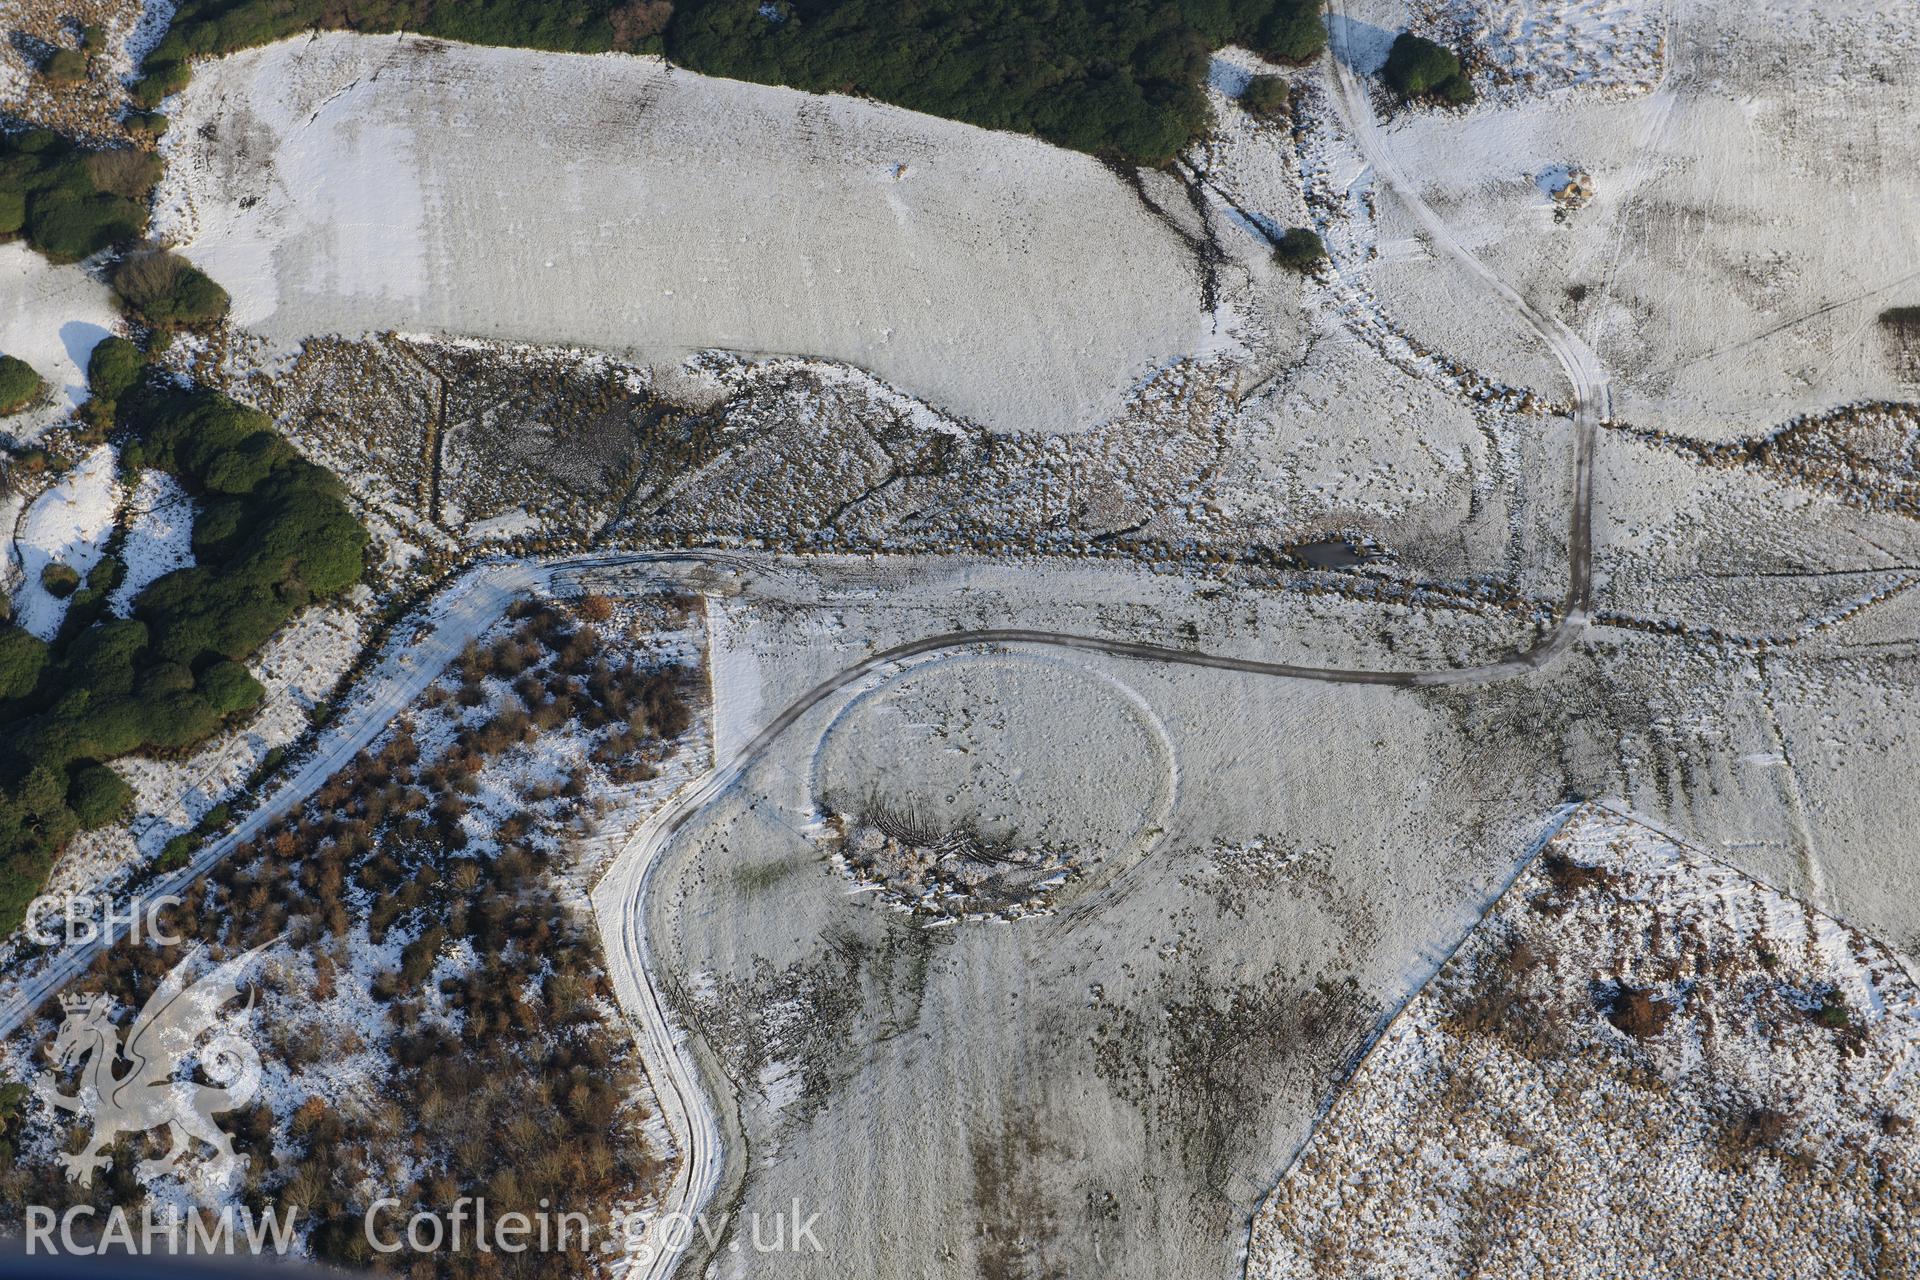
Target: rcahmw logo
{"points": [[164, 1037], [84, 1230]]}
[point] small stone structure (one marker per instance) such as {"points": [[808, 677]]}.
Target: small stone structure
{"points": [[1576, 191], [949, 875]]}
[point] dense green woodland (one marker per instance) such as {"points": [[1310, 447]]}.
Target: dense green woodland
{"points": [[272, 534], [1120, 78], [581, 26], [1111, 77]]}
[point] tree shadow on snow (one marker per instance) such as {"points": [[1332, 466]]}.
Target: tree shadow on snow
{"points": [[1361, 45]]}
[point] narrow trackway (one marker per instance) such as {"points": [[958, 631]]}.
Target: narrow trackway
{"points": [[620, 900]]}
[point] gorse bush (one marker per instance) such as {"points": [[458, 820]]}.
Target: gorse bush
{"points": [[23, 656], [98, 795], [13, 1100], [20, 386], [1417, 67], [273, 535], [114, 367], [123, 171], [159, 81], [65, 66], [60, 580], [50, 192], [87, 604], [148, 123], [1300, 249], [166, 291], [230, 687], [1265, 95]]}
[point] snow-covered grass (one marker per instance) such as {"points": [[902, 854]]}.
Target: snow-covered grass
{"points": [[342, 183], [1753, 216], [69, 525], [159, 536], [997, 779], [1527, 47], [51, 317], [1250, 444], [386, 183]]}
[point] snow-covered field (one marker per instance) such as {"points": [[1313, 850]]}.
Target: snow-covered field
{"points": [[1754, 215], [344, 183], [1526, 47], [68, 525], [159, 520], [51, 317], [963, 759], [916, 318], [1320, 422]]}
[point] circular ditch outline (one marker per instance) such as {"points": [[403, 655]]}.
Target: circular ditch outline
{"points": [[1096, 874]]}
